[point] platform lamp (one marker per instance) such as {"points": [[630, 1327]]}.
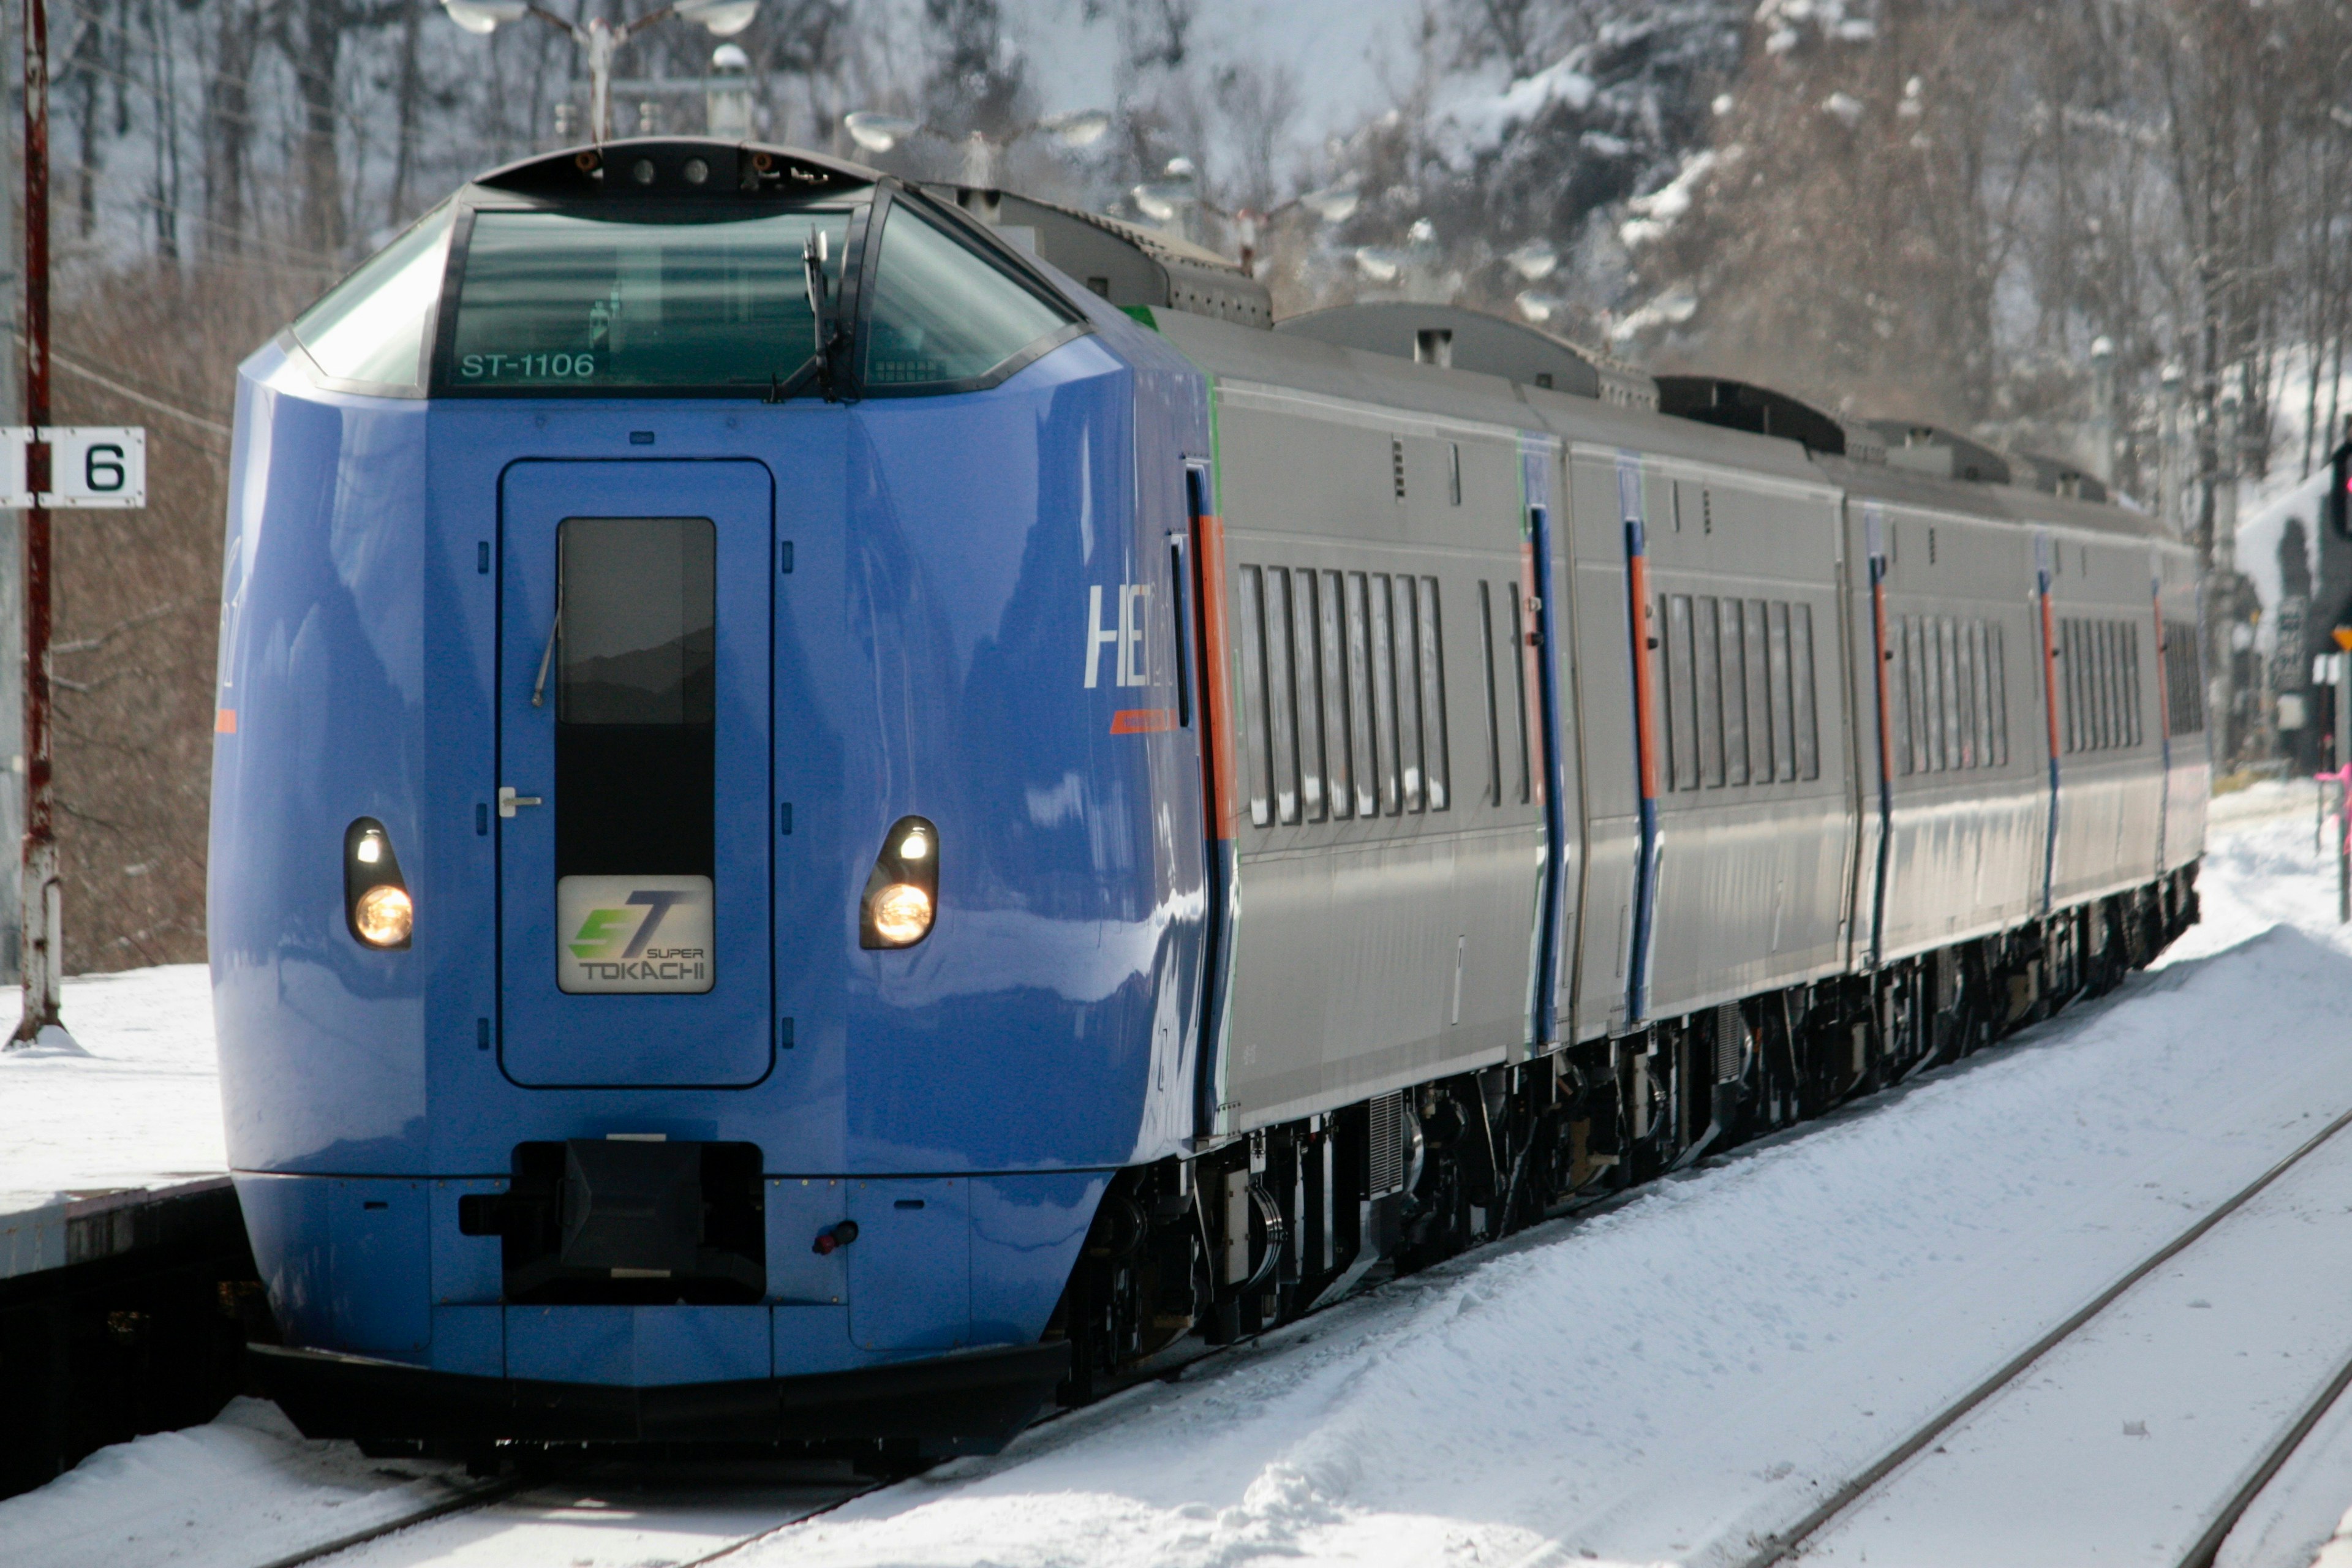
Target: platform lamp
{"points": [[601, 40], [1073, 129]]}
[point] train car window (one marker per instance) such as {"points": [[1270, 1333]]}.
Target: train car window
{"points": [[1339, 746], [1306, 669], [2066, 661], [1437, 761], [2103, 696], [555, 301], [2120, 635], [1519, 635], [1281, 704], [1978, 727], [2131, 679], [1934, 716], [1807, 721], [1911, 737], [2184, 686], [2111, 683], [1486, 658], [2133, 723], [1898, 696], [1760, 695], [940, 313], [1733, 682], [1947, 673], [1363, 723], [2096, 680], [1997, 669], [1920, 637], [635, 739], [2127, 664], [1784, 749], [371, 326], [1680, 701], [1707, 665], [1964, 666], [1384, 698], [2111, 702], [1254, 728], [1411, 740]]}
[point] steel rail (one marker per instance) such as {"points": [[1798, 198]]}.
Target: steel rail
{"points": [[1783, 1544], [472, 1497], [2208, 1546]]}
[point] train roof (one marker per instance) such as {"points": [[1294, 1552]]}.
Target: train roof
{"points": [[1473, 340], [1382, 378], [1488, 370], [663, 168], [1442, 391]]}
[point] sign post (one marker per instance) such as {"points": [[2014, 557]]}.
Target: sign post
{"points": [[40, 887], [46, 468]]}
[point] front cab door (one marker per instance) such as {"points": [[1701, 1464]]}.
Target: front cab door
{"points": [[633, 788]]}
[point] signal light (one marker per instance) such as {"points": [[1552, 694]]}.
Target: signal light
{"points": [[376, 904], [901, 897]]}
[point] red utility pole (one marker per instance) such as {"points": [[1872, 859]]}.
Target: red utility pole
{"points": [[40, 851]]}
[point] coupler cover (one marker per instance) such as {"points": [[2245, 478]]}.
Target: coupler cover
{"points": [[624, 1220]]}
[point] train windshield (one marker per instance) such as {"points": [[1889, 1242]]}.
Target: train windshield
{"points": [[552, 300], [371, 326], [940, 313]]}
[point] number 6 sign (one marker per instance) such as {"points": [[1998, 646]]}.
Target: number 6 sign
{"points": [[89, 466]]}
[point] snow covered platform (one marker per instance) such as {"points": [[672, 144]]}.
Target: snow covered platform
{"points": [[124, 1273], [105, 1141], [131, 1107]]}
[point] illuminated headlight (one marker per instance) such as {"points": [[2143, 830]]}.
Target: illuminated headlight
{"points": [[383, 917], [902, 895], [902, 914], [376, 904]]}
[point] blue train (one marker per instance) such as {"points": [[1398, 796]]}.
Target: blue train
{"points": [[840, 807]]}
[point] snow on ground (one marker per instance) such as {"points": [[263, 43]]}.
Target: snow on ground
{"points": [[243, 1490], [1661, 1382], [138, 1105], [1667, 1381]]}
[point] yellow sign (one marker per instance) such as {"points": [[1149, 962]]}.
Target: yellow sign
{"points": [[2343, 638]]}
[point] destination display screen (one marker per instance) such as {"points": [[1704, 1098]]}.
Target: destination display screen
{"points": [[552, 300]]}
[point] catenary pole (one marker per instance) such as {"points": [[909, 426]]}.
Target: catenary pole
{"points": [[40, 887]]}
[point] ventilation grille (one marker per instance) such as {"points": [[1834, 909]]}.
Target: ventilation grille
{"points": [[1730, 1041], [1387, 1145], [1396, 464]]}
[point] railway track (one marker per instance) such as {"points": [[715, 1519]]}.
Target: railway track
{"points": [[1867, 1509], [517, 1519]]}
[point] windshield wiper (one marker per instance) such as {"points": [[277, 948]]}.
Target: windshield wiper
{"points": [[818, 368]]}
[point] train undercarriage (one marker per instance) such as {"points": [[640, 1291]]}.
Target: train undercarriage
{"points": [[1290, 1218]]}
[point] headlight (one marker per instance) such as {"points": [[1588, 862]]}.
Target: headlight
{"points": [[902, 895], [376, 905], [902, 914], [383, 917]]}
